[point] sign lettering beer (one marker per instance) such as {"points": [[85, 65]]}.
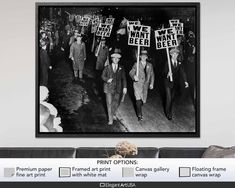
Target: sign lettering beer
{"points": [[84, 21], [166, 38], [139, 35], [104, 30]]}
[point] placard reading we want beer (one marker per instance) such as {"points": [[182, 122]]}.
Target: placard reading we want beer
{"points": [[179, 27], [104, 30], [166, 38], [139, 35]]}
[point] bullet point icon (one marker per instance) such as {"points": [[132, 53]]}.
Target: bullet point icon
{"points": [[64, 172], [184, 172], [127, 172], [9, 172]]}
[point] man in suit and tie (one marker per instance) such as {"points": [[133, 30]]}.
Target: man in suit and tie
{"points": [[177, 73], [114, 78]]}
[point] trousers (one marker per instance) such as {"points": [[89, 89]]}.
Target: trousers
{"points": [[80, 74], [112, 101], [139, 104], [170, 94]]}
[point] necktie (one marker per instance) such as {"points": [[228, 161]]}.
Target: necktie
{"points": [[115, 67]]}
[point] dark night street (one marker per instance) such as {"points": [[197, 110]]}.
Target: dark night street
{"points": [[82, 107]]}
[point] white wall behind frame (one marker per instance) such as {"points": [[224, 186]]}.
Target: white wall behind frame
{"points": [[17, 80]]}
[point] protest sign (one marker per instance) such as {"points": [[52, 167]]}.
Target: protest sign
{"points": [[166, 38], [94, 26], [84, 21], [104, 30], [95, 23], [109, 21], [179, 27], [139, 35]]}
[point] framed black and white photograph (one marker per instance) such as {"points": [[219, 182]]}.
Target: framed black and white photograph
{"points": [[117, 69]]}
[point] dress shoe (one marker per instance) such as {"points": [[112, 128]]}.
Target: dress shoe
{"points": [[140, 118]]}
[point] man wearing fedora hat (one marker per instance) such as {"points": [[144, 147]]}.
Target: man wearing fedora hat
{"points": [[177, 72], [114, 78], [45, 63], [143, 82], [78, 56]]}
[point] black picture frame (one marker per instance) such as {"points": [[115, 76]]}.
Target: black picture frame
{"points": [[180, 5]]}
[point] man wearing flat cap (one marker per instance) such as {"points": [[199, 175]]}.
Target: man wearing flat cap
{"points": [[115, 85], [177, 73], [142, 82]]}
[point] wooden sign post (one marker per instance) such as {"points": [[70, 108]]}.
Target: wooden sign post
{"points": [[169, 64], [138, 61], [97, 53], [95, 23]]}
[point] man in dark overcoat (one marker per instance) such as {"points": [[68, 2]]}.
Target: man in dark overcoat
{"points": [[143, 82], [171, 86]]}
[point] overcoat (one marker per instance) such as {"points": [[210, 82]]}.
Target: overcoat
{"points": [[146, 78], [78, 52], [102, 57]]}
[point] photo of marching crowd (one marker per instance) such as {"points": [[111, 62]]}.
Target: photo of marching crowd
{"points": [[117, 69]]}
